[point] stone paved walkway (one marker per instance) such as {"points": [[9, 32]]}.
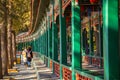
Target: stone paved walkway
{"points": [[43, 72], [24, 73], [37, 71]]}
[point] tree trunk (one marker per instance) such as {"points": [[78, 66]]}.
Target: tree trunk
{"points": [[9, 38], [14, 45], [4, 48], [0, 60], [4, 42]]}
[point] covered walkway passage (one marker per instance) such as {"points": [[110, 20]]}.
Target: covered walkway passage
{"points": [[70, 40]]}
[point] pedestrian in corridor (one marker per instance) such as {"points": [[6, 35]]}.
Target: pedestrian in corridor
{"points": [[29, 56], [24, 58]]}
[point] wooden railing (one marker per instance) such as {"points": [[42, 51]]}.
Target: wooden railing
{"points": [[57, 69], [67, 74], [51, 64], [80, 77]]}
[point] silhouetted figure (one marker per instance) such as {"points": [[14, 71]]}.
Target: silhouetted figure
{"points": [[29, 56], [85, 41]]}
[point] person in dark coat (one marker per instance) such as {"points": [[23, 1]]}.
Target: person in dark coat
{"points": [[29, 56]]}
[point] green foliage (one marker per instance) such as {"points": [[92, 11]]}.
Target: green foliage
{"points": [[19, 11], [2, 8]]}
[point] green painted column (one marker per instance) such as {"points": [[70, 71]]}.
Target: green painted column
{"points": [[50, 32], [44, 39], [111, 40], [18, 48], [55, 42], [48, 41], [28, 44], [44, 43], [21, 46], [41, 44], [63, 52], [76, 39], [46, 46], [53, 36], [31, 42], [25, 44], [34, 43], [37, 44]]}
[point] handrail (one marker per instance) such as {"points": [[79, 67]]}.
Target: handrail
{"points": [[83, 72]]}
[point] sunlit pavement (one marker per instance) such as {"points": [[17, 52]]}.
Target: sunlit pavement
{"points": [[37, 71], [43, 72], [24, 73]]}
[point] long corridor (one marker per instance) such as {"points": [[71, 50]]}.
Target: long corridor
{"points": [[71, 39]]}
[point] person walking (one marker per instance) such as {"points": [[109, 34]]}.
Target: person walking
{"points": [[24, 58], [29, 56]]}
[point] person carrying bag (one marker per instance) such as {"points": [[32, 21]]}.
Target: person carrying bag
{"points": [[29, 56]]}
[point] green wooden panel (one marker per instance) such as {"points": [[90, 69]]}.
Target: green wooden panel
{"points": [[76, 43], [63, 53], [111, 40]]}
